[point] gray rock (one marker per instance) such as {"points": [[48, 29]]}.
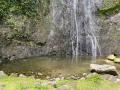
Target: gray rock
{"points": [[83, 78], [74, 78], [2, 74], [103, 69], [14, 74], [99, 3], [40, 74], [84, 74], [111, 78], [91, 75], [64, 87], [116, 18], [22, 75]]}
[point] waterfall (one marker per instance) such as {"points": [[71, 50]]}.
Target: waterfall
{"points": [[78, 18], [89, 12]]}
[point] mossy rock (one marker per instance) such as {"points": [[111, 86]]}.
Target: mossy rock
{"points": [[111, 57], [117, 60]]}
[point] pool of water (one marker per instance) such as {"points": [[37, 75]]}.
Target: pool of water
{"points": [[42, 67]]}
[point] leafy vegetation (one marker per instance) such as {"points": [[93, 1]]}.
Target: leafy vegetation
{"points": [[15, 12], [16, 7], [110, 11], [21, 16]]}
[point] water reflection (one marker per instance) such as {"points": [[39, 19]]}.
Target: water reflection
{"points": [[48, 66]]}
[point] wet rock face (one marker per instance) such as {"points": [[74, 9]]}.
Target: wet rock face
{"points": [[103, 69], [19, 52], [110, 35], [99, 3], [15, 46]]}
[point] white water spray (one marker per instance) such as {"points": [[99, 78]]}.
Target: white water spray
{"points": [[78, 18]]}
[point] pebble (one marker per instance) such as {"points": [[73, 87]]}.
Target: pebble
{"points": [[22, 75], [82, 78]]}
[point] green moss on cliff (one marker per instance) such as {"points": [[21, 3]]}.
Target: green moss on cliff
{"points": [[110, 11], [110, 7]]}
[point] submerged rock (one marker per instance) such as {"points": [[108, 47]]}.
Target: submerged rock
{"points": [[103, 69]]}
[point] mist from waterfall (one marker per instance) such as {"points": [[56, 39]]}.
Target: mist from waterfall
{"points": [[78, 18]]}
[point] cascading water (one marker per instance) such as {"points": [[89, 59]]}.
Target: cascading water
{"points": [[78, 18]]}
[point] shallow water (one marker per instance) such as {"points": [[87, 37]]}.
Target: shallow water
{"points": [[42, 67]]}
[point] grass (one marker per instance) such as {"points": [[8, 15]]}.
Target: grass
{"points": [[96, 83], [17, 83], [93, 83]]}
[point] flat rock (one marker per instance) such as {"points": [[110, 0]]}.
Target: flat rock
{"points": [[103, 69]]}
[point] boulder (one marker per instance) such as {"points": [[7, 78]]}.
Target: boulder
{"points": [[110, 78], [111, 57], [109, 62], [117, 60], [103, 69]]}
